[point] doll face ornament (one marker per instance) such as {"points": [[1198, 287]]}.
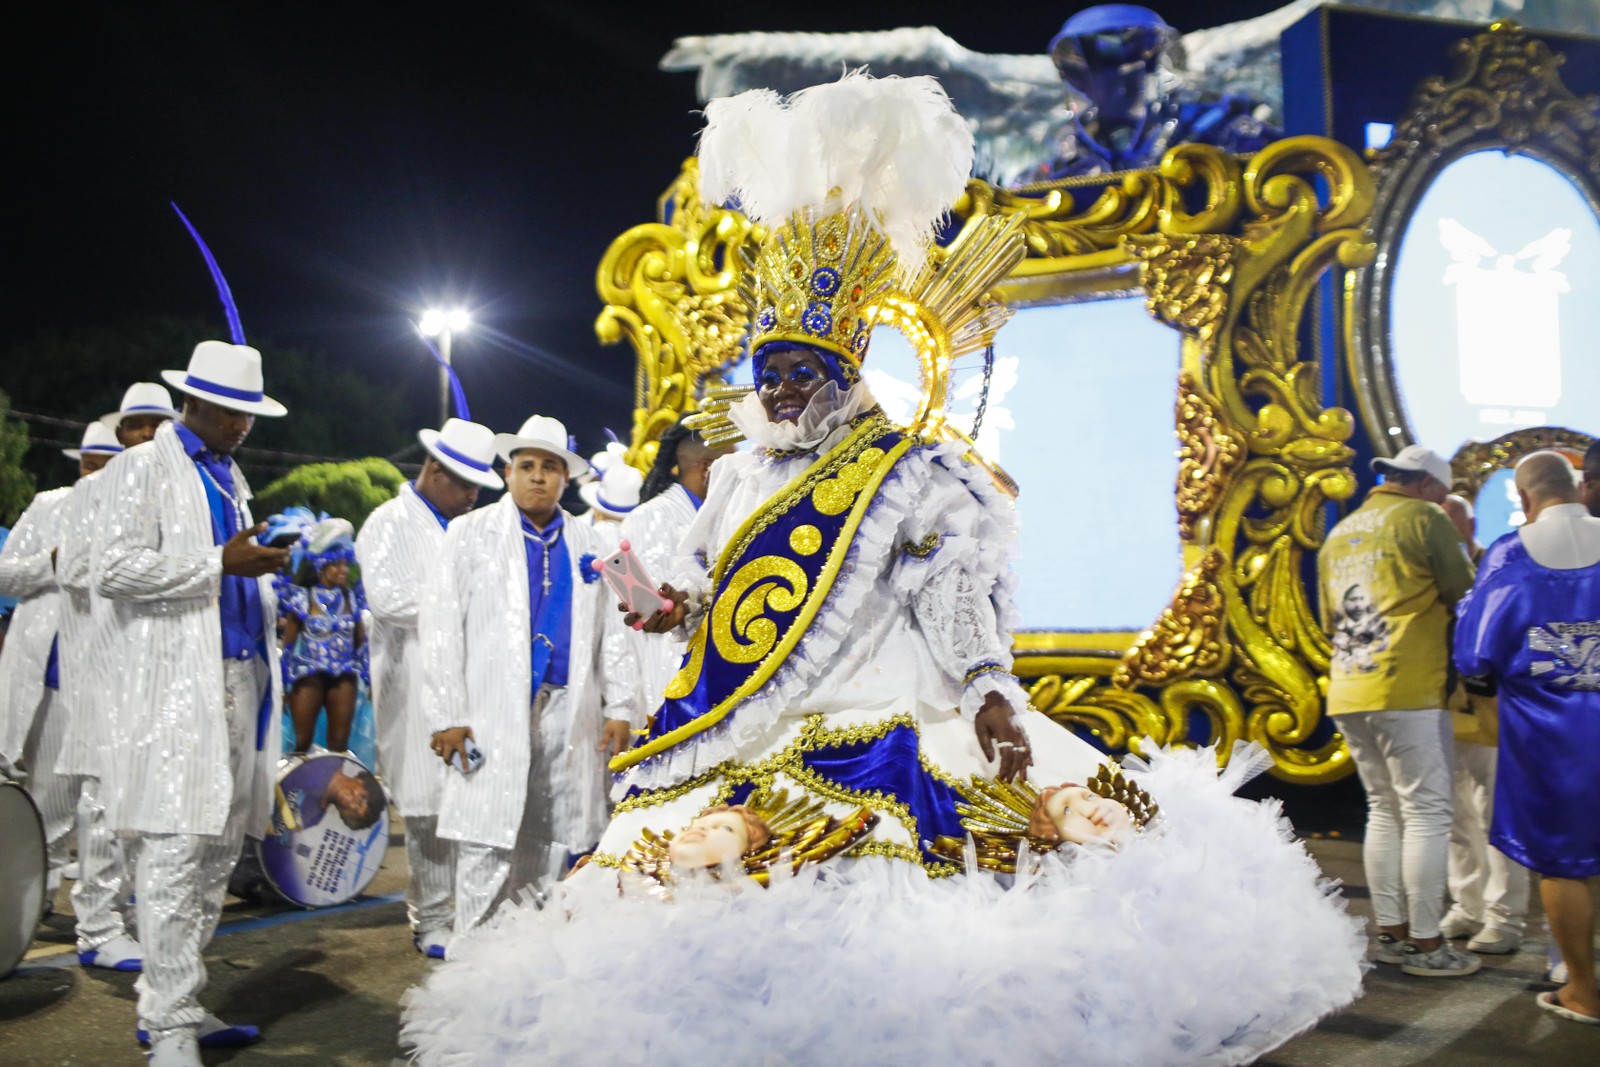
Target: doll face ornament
{"points": [[1073, 813], [712, 839]]}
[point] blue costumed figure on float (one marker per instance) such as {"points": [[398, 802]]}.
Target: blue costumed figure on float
{"points": [[827, 847], [1114, 55]]}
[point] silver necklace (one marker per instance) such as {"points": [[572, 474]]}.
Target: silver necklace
{"points": [[548, 543], [238, 509]]}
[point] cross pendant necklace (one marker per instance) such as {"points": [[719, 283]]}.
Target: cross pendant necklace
{"points": [[548, 543]]}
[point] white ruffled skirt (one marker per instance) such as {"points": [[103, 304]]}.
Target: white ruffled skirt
{"points": [[1210, 938]]}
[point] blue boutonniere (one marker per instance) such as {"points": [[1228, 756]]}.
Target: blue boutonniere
{"points": [[586, 568]]}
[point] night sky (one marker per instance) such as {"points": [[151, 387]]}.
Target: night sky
{"points": [[351, 162]]}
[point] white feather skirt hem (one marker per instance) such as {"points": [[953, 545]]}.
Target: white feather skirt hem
{"points": [[1211, 938]]}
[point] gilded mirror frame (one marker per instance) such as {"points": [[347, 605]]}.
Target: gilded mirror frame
{"points": [[1505, 93], [1229, 252]]}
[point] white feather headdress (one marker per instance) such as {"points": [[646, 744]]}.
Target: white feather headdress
{"points": [[893, 149]]}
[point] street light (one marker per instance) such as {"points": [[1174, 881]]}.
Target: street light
{"points": [[444, 323]]}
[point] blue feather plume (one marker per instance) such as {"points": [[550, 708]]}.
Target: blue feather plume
{"points": [[229, 308], [456, 392]]}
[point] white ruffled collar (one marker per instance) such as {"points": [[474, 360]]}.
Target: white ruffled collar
{"points": [[829, 411]]}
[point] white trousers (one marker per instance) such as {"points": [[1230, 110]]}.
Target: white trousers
{"points": [[432, 862], [1404, 759], [1488, 887], [101, 897], [54, 793], [487, 876], [183, 878]]}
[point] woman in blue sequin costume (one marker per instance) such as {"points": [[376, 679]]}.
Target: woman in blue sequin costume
{"points": [[324, 641]]}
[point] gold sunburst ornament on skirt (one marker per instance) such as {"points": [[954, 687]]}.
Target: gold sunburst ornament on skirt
{"points": [[1004, 820], [768, 830]]}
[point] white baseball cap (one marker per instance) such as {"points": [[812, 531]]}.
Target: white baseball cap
{"points": [[1417, 458], [546, 435], [465, 449], [143, 398], [227, 375], [616, 493], [98, 436]]}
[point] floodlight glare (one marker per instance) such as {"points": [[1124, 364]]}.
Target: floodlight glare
{"points": [[433, 323], [457, 319]]}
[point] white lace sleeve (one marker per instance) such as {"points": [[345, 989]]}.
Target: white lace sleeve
{"points": [[954, 567]]}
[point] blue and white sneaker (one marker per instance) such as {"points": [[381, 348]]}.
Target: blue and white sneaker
{"points": [[118, 954], [214, 1033], [432, 943]]}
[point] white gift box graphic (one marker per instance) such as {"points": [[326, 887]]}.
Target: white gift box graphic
{"points": [[1508, 317]]}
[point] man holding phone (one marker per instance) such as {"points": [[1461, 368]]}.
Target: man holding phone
{"points": [[397, 547], [511, 626], [194, 745]]}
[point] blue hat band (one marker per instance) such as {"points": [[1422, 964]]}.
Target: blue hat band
{"points": [[223, 390], [620, 509], [149, 407], [459, 458], [101, 448]]}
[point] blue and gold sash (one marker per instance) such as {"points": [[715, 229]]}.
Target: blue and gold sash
{"points": [[772, 578]]}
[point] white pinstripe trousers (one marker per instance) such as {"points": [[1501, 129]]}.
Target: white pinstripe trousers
{"points": [[55, 793], [432, 861], [101, 895], [183, 878]]}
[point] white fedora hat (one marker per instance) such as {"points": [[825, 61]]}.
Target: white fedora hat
{"points": [[546, 435], [617, 493], [98, 436], [143, 398], [227, 375], [465, 449]]}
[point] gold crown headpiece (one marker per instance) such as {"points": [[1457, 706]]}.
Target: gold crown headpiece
{"points": [[816, 280], [1114, 785]]}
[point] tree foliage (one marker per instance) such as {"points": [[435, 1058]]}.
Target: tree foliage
{"points": [[349, 490], [80, 373], [16, 484]]}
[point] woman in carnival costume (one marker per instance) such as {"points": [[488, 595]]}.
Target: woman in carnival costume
{"points": [[324, 639], [827, 848]]}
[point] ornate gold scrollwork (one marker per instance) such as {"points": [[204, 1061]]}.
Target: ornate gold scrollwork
{"points": [[1240, 643], [1474, 463], [1207, 455], [1189, 638], [671, 290]]}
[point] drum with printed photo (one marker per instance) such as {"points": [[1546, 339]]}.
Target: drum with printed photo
{"points": [[330, 829]]}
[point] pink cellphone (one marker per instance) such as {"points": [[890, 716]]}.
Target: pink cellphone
{"points": [[627, 578]]}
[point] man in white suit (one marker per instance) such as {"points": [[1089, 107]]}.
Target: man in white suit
{"points": [[101, 895], [398, 547], [33, 714], [195, 744], [511, 630]]}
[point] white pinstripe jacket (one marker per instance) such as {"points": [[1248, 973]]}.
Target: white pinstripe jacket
{"points": [[167, 767], [398, 546], [26, 573], [477, 649]]}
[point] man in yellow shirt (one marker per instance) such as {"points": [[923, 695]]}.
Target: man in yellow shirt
{"points": [[1389, 574]]}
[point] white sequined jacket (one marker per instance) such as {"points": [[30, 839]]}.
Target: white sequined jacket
{"points": [[398, 546], [26, 572], [167, 770], [88, 647], [476, 645]]}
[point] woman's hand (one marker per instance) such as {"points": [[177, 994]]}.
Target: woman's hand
{"points": [[999, 731], [660, 622]]}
